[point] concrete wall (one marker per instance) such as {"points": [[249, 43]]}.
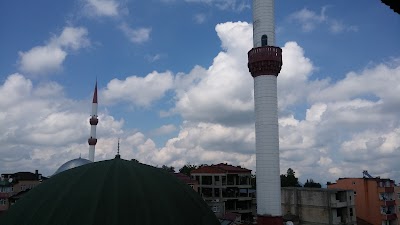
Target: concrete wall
{"points": [[319, 206]]}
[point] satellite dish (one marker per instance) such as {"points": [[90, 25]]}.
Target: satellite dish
{"points": [[10, 180], [289, 223]]}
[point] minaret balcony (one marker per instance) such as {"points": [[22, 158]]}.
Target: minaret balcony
{"points": [[266, 60], [93, 121], [92, 141]]}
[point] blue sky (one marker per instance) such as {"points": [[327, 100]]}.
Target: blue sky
{"points": [[174, 85]]}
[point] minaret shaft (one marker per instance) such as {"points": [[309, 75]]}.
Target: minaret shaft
{"points": [[92, 141], [265, 61], [263, 22]]}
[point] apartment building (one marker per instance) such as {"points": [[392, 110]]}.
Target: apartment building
{"points": [[226, 189], [194, 184], [397, 201], [375, 198], [319, 205], [13, 183]]}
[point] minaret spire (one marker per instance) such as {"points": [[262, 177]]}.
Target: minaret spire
{"points": [[265, 61], [93, 123], [118, 155]]}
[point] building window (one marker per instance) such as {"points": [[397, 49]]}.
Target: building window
{"points": [[216, 178], [215, 208], [351, 211], [355, 192], [264, 40], [2, 201], [398, 195]]}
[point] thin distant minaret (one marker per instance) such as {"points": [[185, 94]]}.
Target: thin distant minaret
{"points": [[93, 123], [265, 61]]}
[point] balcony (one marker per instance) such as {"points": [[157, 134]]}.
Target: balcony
{"points": [[338, 204], [386, 189], [266, 60], [392, 216], [388, 202], [239, 210]]}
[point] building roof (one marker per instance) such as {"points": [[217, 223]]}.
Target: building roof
{"points": [[72, 164], [220, 168], [366, 178], [22, 176], [112, 192], [185, 178]]}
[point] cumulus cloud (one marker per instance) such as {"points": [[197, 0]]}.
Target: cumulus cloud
{"points": [[49, 58], [138, 35], [140, 91], [41, 128], [164, 129], [310, 20], [339, 129], [222, 93]]}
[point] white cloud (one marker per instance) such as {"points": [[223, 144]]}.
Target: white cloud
{"points": [[310, 20], [222, 93], [140, 91], [41, 128], [164, 129], [42, 59], [154, 58], [72, 38], [49, 58], [102, 8], [199, 18], [340, 129], [236, 5], [138, 35]]}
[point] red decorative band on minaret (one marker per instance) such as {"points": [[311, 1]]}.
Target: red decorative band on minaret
{"points": [[266, 60], [92, 141], [93, 121], [269, 220]]}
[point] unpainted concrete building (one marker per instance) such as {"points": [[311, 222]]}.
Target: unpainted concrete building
{"points": [[319, 205], [226, 189]]}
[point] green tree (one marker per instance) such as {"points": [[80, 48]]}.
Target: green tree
{"points": [[290, 179], [187, 169], [168, 168], [253, 181], [311, 184]]}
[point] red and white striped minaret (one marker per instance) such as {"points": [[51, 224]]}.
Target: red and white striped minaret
{"points": [[93, 123], [265, 61]]}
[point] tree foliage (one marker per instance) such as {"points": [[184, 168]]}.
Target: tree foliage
{"points": [[187, 169], [289, 179], [168, 168], [311, 184], [393, 4]]}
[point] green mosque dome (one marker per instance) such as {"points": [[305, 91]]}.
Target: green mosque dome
{"points": [[111, 192]]}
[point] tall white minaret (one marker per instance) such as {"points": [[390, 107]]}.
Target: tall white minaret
{"points": [[265, 61], [93, 123]]}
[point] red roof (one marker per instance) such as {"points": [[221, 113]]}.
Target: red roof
{"points": [[186, 179], [221, 168]]}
